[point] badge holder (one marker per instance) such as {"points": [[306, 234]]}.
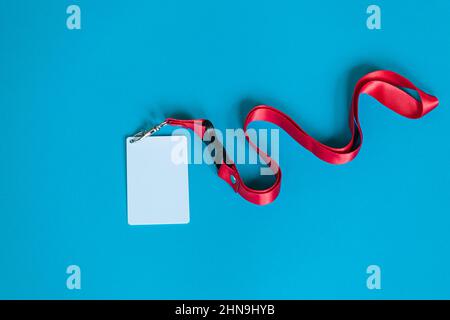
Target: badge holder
{"points": [[157, 186]]}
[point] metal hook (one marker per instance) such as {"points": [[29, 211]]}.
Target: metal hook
{"points": [[145, 133]]}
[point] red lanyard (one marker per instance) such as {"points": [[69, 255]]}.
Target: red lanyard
{"points": [[384, 86]]}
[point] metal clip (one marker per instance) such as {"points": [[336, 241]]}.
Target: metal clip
{"points": [[145, 133]]}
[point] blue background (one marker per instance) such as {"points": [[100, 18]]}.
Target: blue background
{"points": [[68, 98]]}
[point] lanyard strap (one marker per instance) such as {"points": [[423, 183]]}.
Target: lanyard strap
{"points": [[385, 86]]}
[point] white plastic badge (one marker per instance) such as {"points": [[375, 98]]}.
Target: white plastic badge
{"points": [[157, 180]]}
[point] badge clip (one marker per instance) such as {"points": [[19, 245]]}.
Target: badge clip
{"points": [[145, 133]]}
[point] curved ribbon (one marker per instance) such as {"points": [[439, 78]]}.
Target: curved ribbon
{"points": [[385, 86]]}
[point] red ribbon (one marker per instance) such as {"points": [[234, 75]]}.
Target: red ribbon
{"points": [[385, 86]]}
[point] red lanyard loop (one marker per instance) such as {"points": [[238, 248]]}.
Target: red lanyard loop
{"points": [[384, 86]]}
